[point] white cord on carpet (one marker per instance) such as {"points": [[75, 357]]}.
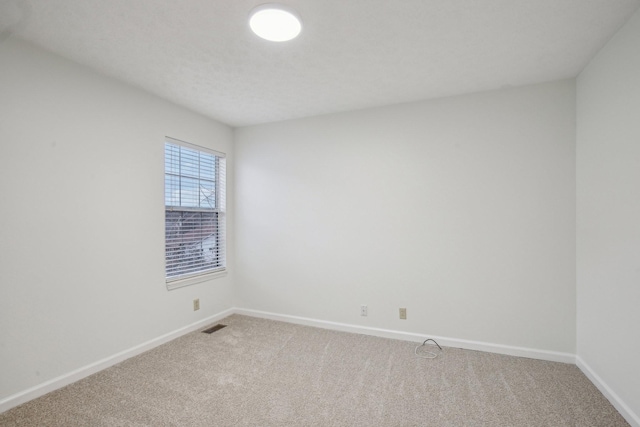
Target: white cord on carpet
{"points": [[425, 354]]}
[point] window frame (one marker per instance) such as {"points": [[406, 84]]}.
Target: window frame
{"points": [[178, 281]]}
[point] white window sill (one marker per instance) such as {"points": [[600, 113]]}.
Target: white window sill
{"points": [[181, 283]]}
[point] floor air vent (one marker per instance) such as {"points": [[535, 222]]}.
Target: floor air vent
{"points": [[214, 328]]}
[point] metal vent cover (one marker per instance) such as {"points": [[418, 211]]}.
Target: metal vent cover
{"points": [[214, 328]]}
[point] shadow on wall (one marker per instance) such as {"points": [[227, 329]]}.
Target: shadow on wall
{"points": [[14, 15]]}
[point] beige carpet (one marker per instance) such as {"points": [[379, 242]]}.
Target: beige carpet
{"points": [[263, 373]]}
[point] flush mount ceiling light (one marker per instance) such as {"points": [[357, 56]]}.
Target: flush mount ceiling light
{"points": [[275, 22]]}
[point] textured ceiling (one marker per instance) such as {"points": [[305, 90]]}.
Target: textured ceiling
{"points": [[352, 54]]}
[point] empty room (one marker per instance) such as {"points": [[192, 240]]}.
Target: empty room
{"points": [[320, 213]]}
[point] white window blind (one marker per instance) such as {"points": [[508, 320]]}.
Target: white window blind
{"points": [[194, 198]]}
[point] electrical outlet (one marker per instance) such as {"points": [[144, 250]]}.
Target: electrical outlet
{"points": [[403, 313], [196, 304], [363, 310]]}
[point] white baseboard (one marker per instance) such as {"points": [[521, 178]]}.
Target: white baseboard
{"points": [[631, 417], [409, 336], [85, 371]]}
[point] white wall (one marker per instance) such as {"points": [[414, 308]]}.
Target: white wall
{"points": [[608, 216], [82, 219], [461, 209]]}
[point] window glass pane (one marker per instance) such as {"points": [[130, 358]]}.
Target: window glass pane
{"points": [[172, 159], [189, 162], [171, 190], [207, 162], [189, 193], [191, 241], [207, 194]]}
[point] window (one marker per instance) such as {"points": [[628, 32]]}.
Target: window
{"points": [[194, 202]]}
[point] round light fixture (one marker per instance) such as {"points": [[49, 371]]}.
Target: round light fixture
{"points": [[275, 22]]}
